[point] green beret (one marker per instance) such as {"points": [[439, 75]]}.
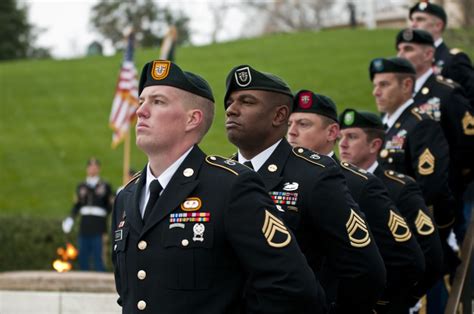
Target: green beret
{"points": [[430, 8], [307, 101], [415, 36], [390, 65], [163, 72], [351, 118], [244, 77]]}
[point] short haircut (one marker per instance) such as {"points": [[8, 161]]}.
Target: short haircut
{"points": [[207, 107], [403, 76], [326, 121], [373, 134]]}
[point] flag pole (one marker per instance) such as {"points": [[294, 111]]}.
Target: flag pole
{"points": [[126, 157]]}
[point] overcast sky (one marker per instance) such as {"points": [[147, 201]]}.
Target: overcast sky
{"points": [[68, 32]]}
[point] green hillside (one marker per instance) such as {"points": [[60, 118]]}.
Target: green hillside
{"points": [[54, 114]]}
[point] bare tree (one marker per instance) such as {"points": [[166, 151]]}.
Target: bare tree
{"points": [[219, 11], [291, 15]]}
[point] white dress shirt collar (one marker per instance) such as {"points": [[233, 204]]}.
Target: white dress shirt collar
{"points": [[438, 42], [261, 158], [422, 80], [164, 179], [390, 121], [372, 168]]}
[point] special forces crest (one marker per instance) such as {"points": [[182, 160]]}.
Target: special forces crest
{"points": [[243, 77]]}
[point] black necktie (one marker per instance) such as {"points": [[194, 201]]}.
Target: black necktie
{"points": [[155, 190], [248, 163]]}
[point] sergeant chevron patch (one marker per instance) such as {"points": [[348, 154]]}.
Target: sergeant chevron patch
{"points": [[357, 230], [399, 228], [468, 124], [426, 163], [424, 224], [275, 231]]}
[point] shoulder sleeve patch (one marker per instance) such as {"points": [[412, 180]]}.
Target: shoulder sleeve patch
{"points": [[354, 169], [226, 163], [396, 176], [308, 155]]}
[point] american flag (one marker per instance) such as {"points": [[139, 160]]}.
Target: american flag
{"points": [[126, 97]]}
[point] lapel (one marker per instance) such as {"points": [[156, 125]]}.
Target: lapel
{"points": [[394, 129], [177, 189], [132, 208], [278, 158], [419, 98]]}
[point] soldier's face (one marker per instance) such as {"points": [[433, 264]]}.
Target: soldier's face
{"points": [[353, 146], [249, 117], [93, 169], [418, 55], [161, 118], [427, 22], [309, 130], [387, 92]]}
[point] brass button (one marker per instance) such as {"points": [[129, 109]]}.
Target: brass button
{"points": [[142, 245], [390, 160], [185, 242], [141, 305], [141, 274]]}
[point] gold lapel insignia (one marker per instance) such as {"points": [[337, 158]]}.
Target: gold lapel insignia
{"points": [[191, 204], [398, 227], [271, 227], [425, 90], [468, 124], [426, 163], [357, 231], [424, 224], [160, 69]]}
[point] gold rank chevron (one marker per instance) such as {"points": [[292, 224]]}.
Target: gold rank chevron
{"points": [[271, 226], [395, 223], [468, 124], [426, 163], [424, 224], [353, 224]]}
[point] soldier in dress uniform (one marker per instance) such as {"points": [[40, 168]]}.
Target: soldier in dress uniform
{"points": [[362, 136], [414, 143], [451, 63], [314, 125], [444, 101], [93, 203], [308, 188], [191, 231]]}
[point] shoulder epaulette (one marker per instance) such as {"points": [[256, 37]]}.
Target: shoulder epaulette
{"points": [[134, 179], [226, 163], [354, 169], [416, 112], [446, 81], [455, 51], [399, 177], [308, 155]]}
